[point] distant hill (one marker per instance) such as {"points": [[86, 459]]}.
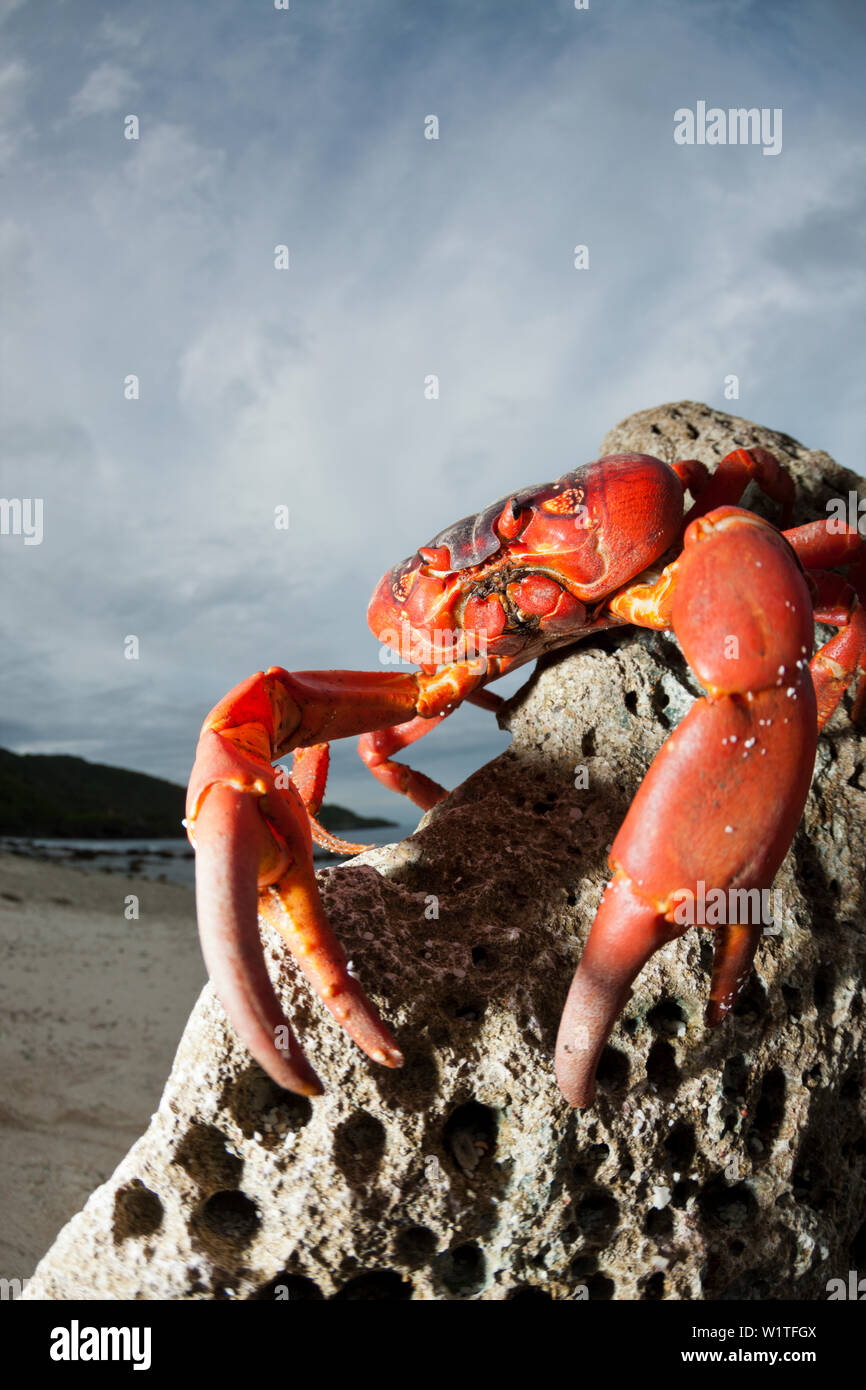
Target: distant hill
{"points": [[57, 795]]}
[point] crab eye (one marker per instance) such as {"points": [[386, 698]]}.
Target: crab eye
{"points": [[511, 519], [436, 557]]}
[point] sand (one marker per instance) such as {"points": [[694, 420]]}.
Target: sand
{"points": [[92, 1007]]}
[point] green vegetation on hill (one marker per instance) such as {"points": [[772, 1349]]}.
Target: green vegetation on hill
{"points": [[55, 794]]}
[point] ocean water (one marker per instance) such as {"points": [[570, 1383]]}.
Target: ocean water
{"points": [[163, 861]]}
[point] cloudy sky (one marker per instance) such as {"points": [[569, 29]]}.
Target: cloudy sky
{"points": [[408, 256]]}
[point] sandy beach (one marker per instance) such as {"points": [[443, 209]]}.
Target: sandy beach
{"points": [[92, 1006]]}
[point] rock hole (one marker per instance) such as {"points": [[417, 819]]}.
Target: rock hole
{"points": [[770, 1109], [631, 701], [259, 1106], [600, 1288], [752, 1002], [681, 1145], [225, 1224], [481, 957], [203, 1155], [793, 999], [613, 1069], [529, 1293], [597, 1216], [587, 743], [137, 1212], [381, 1285], [661, 1066], [583, 1265], [683, 1190], [415, 1245], [733, 1205], [659, 702], [469, 1013], [359, 1146], [735, 1076], [653, 1288], [589, 1161], [822, 988], [470, 1135], [668, 1016], [462, 1270], [659, 1224]]}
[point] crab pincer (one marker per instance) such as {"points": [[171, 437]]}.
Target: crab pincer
{"points": [[251, 828]]}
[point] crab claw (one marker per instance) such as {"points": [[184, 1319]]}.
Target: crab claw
{"points": [[254, 857], [227, 844], [722, 799]]}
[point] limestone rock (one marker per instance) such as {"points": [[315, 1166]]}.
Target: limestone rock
{"points": [[726, 1164]]}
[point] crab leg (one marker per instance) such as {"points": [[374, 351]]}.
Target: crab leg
{"points": [[721, 802], [839, 602], [376, 748], [252, 834], [375, 751], [731, 478], [310, 775]]}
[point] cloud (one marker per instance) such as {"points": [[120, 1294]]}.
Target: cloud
{"points": [[107, 88], [408, 257], [15, 129]]}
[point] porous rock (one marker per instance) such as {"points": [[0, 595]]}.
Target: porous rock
{"points": [[723, 1164]]}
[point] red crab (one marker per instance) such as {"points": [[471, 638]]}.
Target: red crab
{"points": [[607, 544]]}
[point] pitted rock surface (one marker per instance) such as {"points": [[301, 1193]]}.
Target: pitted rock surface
{"points": [[724, 1164]]}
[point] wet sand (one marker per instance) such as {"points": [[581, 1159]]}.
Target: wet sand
{"points": [[92, 1007]]}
